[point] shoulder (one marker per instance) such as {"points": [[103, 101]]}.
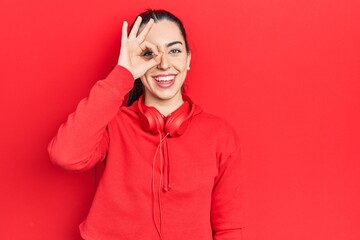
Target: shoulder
{"points": [[217, 128], [216, 122]]}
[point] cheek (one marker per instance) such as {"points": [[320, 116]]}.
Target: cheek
{"points": [[180, 64], [147, 75], [143, 80]]}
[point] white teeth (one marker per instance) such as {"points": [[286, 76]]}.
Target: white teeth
{"points": [[165, 78]]}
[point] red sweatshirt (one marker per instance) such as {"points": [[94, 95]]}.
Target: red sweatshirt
{"points": [[153, 187]]}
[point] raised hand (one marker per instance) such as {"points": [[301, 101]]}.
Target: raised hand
{"points": [[132, 48]]}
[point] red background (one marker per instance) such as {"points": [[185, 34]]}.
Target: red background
{"points": [[285, 74]]}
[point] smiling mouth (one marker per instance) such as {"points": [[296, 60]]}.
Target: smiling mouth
{"points": [[165, 81], [164, 78]]}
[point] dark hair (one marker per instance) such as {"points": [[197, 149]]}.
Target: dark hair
{"points": [[157, 15]]}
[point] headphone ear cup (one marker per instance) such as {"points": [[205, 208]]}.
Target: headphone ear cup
{"points": [[151, 120], [176, 125]]}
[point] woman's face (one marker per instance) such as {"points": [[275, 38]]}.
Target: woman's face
{"points": [[164, 81]]}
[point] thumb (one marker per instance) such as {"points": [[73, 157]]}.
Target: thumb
{"points": [[147, 65], [153, 62]]}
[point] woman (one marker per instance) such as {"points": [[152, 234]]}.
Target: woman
{"points": [[172, 171]]}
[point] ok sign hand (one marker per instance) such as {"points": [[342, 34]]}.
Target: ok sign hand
{"points": [[132, 48]]}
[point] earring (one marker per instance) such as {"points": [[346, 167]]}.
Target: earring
{"points": [[188, 68]]}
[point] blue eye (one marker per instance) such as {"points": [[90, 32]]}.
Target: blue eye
{"points": [[175, 51], [148, 54]]}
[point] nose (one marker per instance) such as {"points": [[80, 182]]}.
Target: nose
{"points": [[164, 63]]}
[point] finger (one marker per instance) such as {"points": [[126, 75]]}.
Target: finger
{"points": [[157, 59], [152, 62], [144, 32], [135, 28], [124, 32], [147, 65], [147, 45]]}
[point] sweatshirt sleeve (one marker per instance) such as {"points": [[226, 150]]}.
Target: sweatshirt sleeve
{"points": [[82, 141], [227, 196]]}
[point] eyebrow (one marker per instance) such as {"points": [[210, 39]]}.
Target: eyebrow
{"points": [[173, 43]]}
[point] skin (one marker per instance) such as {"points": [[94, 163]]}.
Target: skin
{"points": [[159, 49]]}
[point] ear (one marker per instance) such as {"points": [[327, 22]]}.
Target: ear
{"points": [[188, 60]]}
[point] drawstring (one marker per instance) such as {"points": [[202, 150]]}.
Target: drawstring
{"points": [[158, 226], [167, 185]]}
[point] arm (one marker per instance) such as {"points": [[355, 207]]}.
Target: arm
{"points": [[82, 141], [227, 198]]}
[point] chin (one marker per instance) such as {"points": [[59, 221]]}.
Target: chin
{"points": [[165, 95], [168, 96]]}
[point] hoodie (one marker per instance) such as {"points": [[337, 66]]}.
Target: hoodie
{"points": [[154, 187]]}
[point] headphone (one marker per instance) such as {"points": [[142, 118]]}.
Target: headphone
{"points": [[175, 124]]}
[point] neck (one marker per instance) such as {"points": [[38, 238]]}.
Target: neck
{"points": [[165, 107]]}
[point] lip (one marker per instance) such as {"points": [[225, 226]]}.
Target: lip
{"points": [[164, 80]]}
